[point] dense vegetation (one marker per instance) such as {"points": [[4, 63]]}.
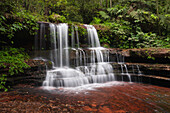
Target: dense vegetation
{"points": [[127, 23], [123, 23], [11, 59]]}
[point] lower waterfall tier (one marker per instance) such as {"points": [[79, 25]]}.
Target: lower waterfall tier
{"points": [[68, 77]]}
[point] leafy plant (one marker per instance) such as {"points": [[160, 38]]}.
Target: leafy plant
{"points": [[136, 23], [55, 18], [104, 37], [96, 20], [13, 60], [11, 24], [104, 15]]}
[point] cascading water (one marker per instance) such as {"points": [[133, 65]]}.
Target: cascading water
{"points": [[88, 66], [62, 74], [92, 36], [53, 52], [120, 60]]}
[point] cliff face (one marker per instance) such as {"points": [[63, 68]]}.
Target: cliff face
{"points": [[153, 64], [35, 75], [150, 55]]}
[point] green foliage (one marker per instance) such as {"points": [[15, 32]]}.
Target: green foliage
{"points": [[57, 18], [135, 24], [144, 40], [104, 15], [15, 22], [27, 21], [83, 10], [82, 35], [13, 60], [73, 13], [96, 20], [3, 80], [104, 37], [82, 31], [132, 23], [117, 11]]}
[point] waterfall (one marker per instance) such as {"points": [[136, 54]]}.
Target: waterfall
{"points": [[127, 73], [42, 34], [139, 72], [92, 36], [73, 65], [120, 58], [53, 53], [40, 43], [77, 36], [72, 37], [62, 37]]}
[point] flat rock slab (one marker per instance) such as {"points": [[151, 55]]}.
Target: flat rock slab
{"points": [[120, 98], [145, 55], [161, 70]]}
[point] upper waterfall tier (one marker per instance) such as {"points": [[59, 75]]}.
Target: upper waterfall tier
{"points": [[92, 36]]}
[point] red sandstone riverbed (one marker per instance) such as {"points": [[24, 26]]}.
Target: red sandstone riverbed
{"points": [[119, 98]]}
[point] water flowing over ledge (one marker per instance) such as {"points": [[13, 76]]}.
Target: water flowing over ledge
{"points": [[73, 65]]}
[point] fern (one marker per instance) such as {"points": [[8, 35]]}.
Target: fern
{"points": [[104, 15]]}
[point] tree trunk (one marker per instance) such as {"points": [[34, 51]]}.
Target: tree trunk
{"points": [[157, 11], [106, 3], [101, 3], [110, 3]]}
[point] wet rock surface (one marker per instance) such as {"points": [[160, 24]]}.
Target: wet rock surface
{"points": [[162, 70], [120, 98], [35, 74], [157, 74], [148, 55]]}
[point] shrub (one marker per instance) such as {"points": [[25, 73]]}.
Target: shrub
{"points": [[13, 60]]}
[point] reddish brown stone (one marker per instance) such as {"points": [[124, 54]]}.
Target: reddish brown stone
{"points": [[129, 97]]}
